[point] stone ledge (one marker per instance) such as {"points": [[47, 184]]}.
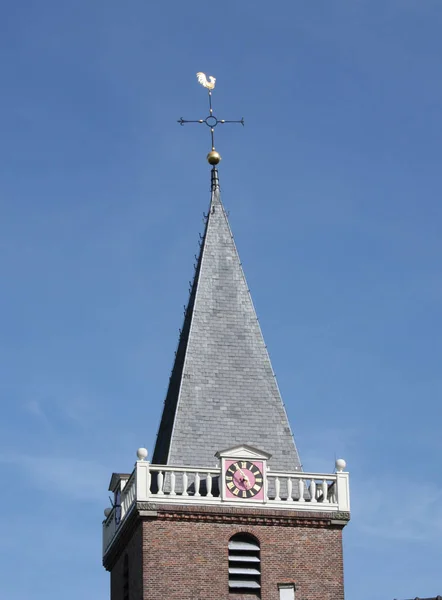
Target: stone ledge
{"points": [[229, 514]]}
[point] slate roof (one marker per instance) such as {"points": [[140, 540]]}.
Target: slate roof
{"points": [[222, 391]]}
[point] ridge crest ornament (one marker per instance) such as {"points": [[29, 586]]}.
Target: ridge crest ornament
{"points": [[214, 157]]}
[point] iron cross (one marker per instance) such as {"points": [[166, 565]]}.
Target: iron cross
{"points": [[211, 121]]}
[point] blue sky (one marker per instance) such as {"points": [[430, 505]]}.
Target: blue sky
{"points": [[333, 189]]}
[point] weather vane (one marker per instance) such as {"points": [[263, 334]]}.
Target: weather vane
{"points": [[211, 121]]}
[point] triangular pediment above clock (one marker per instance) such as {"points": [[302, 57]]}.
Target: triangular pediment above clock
{"points": [[243, 451]]}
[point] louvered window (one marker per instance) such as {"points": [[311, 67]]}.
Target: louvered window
{"points": [[244, 564]]}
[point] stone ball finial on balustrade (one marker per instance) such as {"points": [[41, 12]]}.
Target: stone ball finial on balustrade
{"points": [[340, 465], [107, 512], [142, 453]]}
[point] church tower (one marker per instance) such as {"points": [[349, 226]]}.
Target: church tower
{"points": [[224, 511]]}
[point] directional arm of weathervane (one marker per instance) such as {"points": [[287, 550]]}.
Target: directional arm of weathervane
{"points": [[182, 121], [222, 121]]}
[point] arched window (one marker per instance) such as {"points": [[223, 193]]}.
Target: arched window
{"points": [[126, 578], [244, 564]]}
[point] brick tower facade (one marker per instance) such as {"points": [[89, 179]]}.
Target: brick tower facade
{"points": [[224, 511]]}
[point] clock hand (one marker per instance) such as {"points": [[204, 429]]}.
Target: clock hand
{"points": [[242, 473], [245, 478]]}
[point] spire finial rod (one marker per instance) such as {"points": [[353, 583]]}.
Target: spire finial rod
{"points": [[215, 179], [211, 121]]}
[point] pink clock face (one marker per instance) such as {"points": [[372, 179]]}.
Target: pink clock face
{"points": [[244, 479]]}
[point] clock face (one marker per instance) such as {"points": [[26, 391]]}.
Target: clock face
{"points": [[244, 479]]}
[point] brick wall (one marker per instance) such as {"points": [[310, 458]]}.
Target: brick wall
{"points": [[133, 549], [185, 556], [188, 560]]}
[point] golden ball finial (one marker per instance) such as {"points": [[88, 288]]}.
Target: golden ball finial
{"points": [[214, 157]]}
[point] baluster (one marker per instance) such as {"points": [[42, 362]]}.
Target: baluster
{"points": [[209, 485], [172, 484], [185, 483], [332, 493], [146, 491], [313, 491], [277, 488], [289, 489], [160, 481], [301, 490], [324, 491], [197, 485]]}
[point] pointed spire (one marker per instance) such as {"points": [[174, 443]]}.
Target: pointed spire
{"points": [[222, 390]]}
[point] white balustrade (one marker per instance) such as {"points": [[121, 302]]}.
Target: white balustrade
{"points": [[178, 482], [309, 489], [197, 485], [128, 495], [172, 483], [289, 489], [209, 485], [185, 484], [109, 530], [193, 485], [160, 482], [301, 491], [332, 493], [313, 491], [324, 491], [202, 485], [277, 489]]}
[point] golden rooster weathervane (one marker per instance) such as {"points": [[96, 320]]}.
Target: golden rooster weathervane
{"points": [[202, 79], [211, 121]]}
